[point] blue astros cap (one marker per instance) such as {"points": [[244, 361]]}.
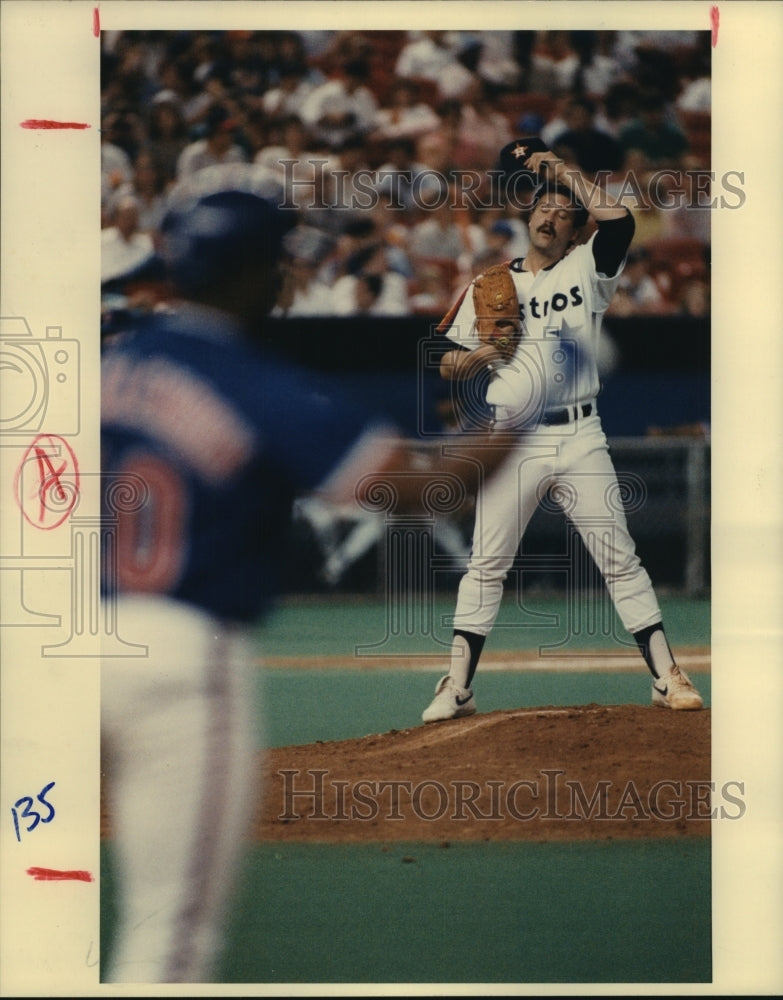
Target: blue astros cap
{"points": [[514, 155]]}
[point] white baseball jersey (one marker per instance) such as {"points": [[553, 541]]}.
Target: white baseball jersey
{"points": [[543, 390], [561, 309]]}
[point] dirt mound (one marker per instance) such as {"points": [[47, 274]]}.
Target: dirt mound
{"points": [[551, 773], [591, 772]]}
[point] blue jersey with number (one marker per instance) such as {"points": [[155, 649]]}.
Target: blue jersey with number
{"points": [[205, 441]]}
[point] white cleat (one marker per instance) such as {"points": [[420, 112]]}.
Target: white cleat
{"points": [[674, 690], [450, 702]]}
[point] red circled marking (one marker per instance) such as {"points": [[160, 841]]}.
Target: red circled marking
{"points": [[56, 875], [715, 18], [48, 123], [47, 503], [96, 22]]}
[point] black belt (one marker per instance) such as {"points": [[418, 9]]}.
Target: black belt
{"points": [[567, 415]]}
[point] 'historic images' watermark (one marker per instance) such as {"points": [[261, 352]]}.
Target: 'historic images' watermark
{"points": [[316, 184], [546, 796]]}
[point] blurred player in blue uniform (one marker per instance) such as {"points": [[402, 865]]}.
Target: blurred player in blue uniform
{"points": [[207, 437]]}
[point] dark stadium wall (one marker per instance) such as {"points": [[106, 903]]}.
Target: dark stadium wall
{"points": [[659, 380]]}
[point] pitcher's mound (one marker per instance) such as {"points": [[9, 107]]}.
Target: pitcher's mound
{"points": [[551, 773]]}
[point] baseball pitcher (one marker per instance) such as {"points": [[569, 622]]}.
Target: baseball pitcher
{"points": [[535, 324]]}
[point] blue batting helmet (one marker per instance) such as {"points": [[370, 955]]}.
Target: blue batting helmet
{"points": [[220, 219]]}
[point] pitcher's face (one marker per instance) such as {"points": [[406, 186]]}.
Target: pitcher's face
{"points": [[552, 225]]}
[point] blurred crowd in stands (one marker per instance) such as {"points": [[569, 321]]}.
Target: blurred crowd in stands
{"points": [[400, 129]]}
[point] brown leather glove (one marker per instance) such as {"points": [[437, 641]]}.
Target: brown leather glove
{"points": [[497, 310]]}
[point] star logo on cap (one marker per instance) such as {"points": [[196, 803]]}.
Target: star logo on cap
{"points": [[518, 151]]}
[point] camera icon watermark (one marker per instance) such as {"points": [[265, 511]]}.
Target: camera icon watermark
{"points": [[40, 380]]}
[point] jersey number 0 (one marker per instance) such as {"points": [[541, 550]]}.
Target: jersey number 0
{"points": [[150, 539]]}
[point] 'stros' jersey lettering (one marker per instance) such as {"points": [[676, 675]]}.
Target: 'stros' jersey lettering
{"points": [[151, 539], [556, 304], [556, 361]]}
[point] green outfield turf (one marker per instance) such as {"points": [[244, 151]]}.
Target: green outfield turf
{"points": [[306, 704], [302, 706], [422, 626], [624, 912]]}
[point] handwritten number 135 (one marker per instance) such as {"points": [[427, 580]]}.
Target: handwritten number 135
{"points": [[29, 813]]}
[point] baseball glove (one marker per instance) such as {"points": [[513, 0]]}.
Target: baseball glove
{"points": [[497, 310]]}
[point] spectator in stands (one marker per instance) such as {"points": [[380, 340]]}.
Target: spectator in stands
{"points": [[653, 141], [601, 69], [401, 174], [392, 228], [439, 150], [342, 47], [457, 81], [522, 45], [176, 75], [440, 233], [368, 293], [427, 55], [148, 187], [357, 231], [218, 146], [255, 131], [116, 164], [291, 48], [656, 69], [555, 124], [343, 107], [498, 247], [512, 221], [123, 246], [203, 57], [696, 80], [482, 129], [350, 170], [291, 158], [688, 212], [531, 123], [464, 141], [385, 295], [293, 88], [126, 72], [405, 115], [303, 292], [583, 144], [554, 64], [497, 62], [430, 293], [243, 65], [630, 48], [637, 293], [334, 185], [167, 133], [620, 106]]}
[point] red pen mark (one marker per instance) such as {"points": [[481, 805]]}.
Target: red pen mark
{"points": [[55, 875], [47, 123], [44, 498], [96, 22], [715, 18]]}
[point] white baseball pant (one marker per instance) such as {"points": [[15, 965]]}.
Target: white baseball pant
{"points": [[180, 745], [577, 467]]}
